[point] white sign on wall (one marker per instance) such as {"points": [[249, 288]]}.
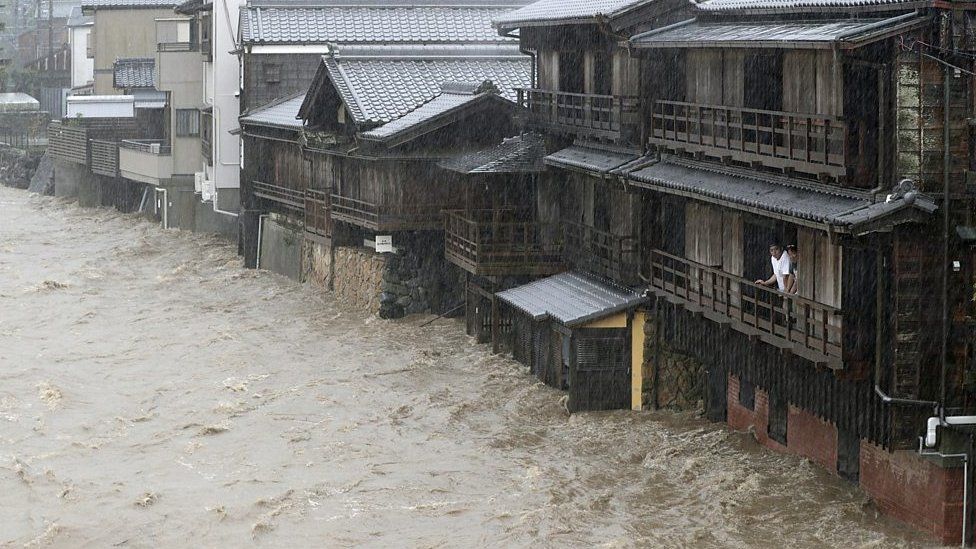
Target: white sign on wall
{"points": [[384, 244]]}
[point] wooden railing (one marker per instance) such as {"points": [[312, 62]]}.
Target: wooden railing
{"points": [[105, 157], [501, 242], [589, 114], [149, 146], [811, 143], [387, 217], [68, 143], [318, 215], [601, 253], [813, 329], [290, 199]]}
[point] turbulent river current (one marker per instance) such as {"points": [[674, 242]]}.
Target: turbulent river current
{"points": [[155, 394]]}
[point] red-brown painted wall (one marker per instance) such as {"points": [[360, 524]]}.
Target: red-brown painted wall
{"points": [[903, 484], [914, 490]]}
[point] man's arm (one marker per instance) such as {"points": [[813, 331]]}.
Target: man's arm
{"points": [[769, 282]]}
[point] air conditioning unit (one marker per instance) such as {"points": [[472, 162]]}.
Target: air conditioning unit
{"points": [[209, 190], [154, 148]]}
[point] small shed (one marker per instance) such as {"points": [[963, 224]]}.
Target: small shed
{"points": [[23, 124], [576, 333]]}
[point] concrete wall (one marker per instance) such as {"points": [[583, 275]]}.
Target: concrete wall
{"points": [[280, 249], [206, 220], [122, 33], [181, 74], [68, 177]]}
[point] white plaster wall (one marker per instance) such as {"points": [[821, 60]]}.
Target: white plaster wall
{"points": [[226, 85], [82, 68]]}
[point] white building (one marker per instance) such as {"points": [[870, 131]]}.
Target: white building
{"points": [[82, 66], [218, 180]]}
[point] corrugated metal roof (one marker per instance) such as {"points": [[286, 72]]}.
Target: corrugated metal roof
{"points": [[570, 298], [770, 34], [277, 114], [149, 99], [383, 83], [787, 197], [134, 72], [564, 11], [370, 24], [453, 97], [18, 102], [802, 5], [589, 159], [127, 4], [519, 154]]}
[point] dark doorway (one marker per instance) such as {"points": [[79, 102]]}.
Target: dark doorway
{"points": [[716, 392], [571, 71], [602, 73], [848, 455], [779, 412], [747, 395], [763, 81]]}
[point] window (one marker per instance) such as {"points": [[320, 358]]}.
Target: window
{"points": [[272, 73], [187, 122]]}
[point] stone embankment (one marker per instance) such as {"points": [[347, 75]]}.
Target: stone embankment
{"points": [[17, 167]]}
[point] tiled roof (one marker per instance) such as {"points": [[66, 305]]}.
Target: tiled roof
{"points": [[519, 154], [453, 97], [570, 298], [810, 34], [370, 24], [126, 4], [589, 159], [551, 12], [785, 197], [189, 7], [134, 72], [805, 5], [277, 114], [380, 84]]}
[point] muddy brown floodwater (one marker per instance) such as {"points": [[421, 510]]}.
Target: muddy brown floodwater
{"points": [[155, 394]]}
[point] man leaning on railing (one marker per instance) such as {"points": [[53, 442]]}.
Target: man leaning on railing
{"points": [[782, 277]]}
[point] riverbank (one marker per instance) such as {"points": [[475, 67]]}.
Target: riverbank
{"points": [[155, 393]]}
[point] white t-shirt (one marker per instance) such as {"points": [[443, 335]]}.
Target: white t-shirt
{"points": [[781, 268]]}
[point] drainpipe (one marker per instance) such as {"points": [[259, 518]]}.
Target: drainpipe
{"points": [[257, 259], [946, 163]]}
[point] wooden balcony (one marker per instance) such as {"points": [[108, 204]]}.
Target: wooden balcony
{"points": [[318, 215], [282, 199], [807, 328], [611, 117], [68, 143], [376, 216], [813, 144], [601, 253], [501, 243], [105, 157]]}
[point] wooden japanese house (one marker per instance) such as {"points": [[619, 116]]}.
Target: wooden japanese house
{"points": [[686, 142], [584, 97]]}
